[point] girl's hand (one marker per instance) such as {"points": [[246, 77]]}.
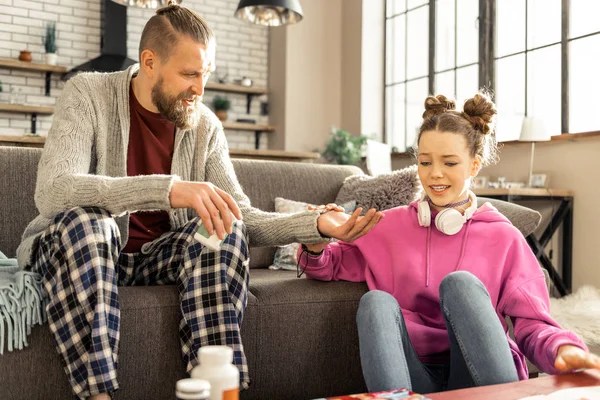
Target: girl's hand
{"points": [[572, 357], [327, 207], [346, 227]]}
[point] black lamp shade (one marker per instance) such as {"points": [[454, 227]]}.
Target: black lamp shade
{"points": [[144, 3], [270, 12]]}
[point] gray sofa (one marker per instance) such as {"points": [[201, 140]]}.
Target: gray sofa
{"points": [[299, 335]]}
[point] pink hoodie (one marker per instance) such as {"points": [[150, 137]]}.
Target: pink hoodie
{"points": [[409, 261]]}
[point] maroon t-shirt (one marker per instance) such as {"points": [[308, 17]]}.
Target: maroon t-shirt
{"points": [[150, 151]]}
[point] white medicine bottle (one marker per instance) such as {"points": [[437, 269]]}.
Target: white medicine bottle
{"points": [[216, 367], [192, 389]]}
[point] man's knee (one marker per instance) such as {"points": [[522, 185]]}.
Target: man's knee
{"points": [[93, 223]]}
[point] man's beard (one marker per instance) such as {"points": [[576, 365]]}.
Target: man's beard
{"points": [[173, 109]]}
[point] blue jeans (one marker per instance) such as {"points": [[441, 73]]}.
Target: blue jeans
{"points": [[479, 352]]}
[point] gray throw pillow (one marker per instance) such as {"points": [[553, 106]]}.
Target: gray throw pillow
{"points": [[523, 218], [382, 192], [286, 256]]}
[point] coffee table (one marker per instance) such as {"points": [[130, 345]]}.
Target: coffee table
{"points": [[529, 387]]}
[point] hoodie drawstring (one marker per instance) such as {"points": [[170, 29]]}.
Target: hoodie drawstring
{"points": [[462, 251], [428, 242]]}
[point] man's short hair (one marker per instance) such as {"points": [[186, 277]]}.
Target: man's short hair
{"points": [[163, 30]]}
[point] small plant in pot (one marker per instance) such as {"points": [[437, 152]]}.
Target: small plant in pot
{"points": [[344, 148], [221, 104], [49, 41]]}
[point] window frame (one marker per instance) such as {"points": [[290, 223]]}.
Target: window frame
{"points": [[487, 55]]}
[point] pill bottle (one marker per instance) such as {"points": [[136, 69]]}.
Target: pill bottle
{"points": [[216, 367]]}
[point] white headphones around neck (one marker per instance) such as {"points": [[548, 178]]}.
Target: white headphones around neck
{"points": [[449, 220]]}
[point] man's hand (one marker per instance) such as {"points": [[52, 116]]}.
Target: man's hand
{"points": [[346, 227], [572, 357], [214, 206]]}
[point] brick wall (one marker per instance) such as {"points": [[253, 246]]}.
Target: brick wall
{"points": [[242, 51]]}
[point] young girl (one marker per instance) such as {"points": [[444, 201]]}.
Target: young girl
{"points": [[443, 274]]}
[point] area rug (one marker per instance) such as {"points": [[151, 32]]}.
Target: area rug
{"points": [[579, 312]]}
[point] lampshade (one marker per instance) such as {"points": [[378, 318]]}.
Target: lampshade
{"points": [[534, 130], [145, 3], [270, 12]]}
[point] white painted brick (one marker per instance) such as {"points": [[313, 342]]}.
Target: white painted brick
{"points": [[73, 53], [60, 28], [14, 123], [74, 4], [242, 51], [86, 29], [17, 37], [31, 5], [12, 131], [10, 29], [41, 100], [43, 15], [15, 80], [73, 20], [21, 12], [27, 22], [58, 9]]}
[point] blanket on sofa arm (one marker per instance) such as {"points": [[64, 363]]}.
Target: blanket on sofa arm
{"points": [[21, 303]]}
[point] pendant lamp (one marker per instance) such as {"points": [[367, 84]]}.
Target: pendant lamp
{"points": [[270, 12], [146, 3]]}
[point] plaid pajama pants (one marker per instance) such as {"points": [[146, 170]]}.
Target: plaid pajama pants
{"points": [[79, 259]]}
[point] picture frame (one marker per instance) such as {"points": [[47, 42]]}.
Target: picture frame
{"points": [[539, 181], [480, 182]]}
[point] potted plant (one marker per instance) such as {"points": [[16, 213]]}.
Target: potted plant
{"points": [[221, 104], [49, 41], [344, 148]]}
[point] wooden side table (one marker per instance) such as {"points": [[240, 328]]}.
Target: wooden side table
{"points": [[562, 215]]}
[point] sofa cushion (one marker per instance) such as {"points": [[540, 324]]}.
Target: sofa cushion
{"points": [[312, 183], [382, 192], [286, 257], [18, 171], [523, 218]]}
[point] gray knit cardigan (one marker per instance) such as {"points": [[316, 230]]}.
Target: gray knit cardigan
{"points": [[84, 163]]}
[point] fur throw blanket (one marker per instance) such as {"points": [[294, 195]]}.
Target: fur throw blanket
{"points": [[579, 312]]}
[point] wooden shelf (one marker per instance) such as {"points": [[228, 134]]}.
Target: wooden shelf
{"points": [[28, 66], [279, 155], [524, 192], [22, 108], [230, 88], [242, 126]]}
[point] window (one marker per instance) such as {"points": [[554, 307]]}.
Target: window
{"points": [[407, 77], [539, 58]]}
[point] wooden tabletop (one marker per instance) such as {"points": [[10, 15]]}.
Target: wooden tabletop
{"points": [[518, 390], [541, 192]]}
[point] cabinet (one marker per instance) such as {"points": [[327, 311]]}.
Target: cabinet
{"points": [[48, 70]]}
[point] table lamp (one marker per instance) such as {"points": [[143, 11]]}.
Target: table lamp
{"points": [[533, 130]]}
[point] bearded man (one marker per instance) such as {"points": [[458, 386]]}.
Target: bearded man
{"points": [[133, 165]]}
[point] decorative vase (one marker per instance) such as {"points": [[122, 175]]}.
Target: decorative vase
{"points": [[50, 58], [25, 56], [221, 114]]}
